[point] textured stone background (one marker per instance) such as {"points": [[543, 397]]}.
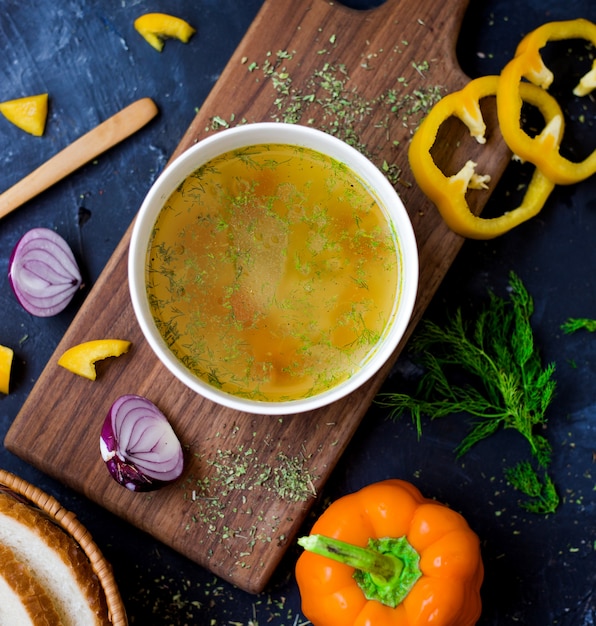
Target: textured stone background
{"points": [[539, 571]]}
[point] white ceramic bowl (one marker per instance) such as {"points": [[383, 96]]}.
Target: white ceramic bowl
{"points": [[274, 133]]}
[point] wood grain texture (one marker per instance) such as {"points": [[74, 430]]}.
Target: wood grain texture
{"points": [[235, 520]]}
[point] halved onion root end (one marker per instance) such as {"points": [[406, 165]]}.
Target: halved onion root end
{"points": [[139, 446]]}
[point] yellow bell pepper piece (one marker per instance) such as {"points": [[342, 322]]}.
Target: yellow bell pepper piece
{"points": [[80, 359], [528, 64], [6, 356], [449, 192], [155, 27], [29, 113]]}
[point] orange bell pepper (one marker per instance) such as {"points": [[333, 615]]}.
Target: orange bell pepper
{"points": [[528, 64], [449, 192], [387, 556]]}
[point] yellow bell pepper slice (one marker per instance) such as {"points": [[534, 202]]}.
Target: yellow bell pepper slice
{"points": [[6, 356], [528, 63], [155, 27], [449, 192], [29, 113], [81, 359]]}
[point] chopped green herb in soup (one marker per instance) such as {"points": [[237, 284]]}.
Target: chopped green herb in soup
{"points": [[272, 272]]}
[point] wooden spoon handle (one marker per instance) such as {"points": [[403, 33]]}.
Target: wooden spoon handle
{"points": [[81, 151]]}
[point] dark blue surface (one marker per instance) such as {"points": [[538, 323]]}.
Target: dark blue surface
{"points": [[539, 571]]}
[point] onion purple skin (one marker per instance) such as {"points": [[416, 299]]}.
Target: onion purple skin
{"points": [[139, 446], [43, 272]]}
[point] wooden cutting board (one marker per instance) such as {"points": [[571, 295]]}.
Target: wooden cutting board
{"points": [[250, 480]]}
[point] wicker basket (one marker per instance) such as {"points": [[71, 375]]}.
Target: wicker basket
{"points": [[69, 523]]}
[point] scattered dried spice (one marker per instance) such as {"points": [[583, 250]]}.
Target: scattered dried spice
{"points": [[327, 100], [241, 470], [181, 606], [235, 477], [192, 602]]}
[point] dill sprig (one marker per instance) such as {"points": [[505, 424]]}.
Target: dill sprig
{"points": [[505, 383], [573, 324], [542, 495]]}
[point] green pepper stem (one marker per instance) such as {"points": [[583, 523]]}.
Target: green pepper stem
{"points": [[385, 570], [384, 567]]}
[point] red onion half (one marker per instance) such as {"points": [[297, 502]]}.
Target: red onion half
{"points": [[43, 272], [138, 445]]}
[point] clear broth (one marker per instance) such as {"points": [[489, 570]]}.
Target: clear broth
{"points": [[272, 272]]}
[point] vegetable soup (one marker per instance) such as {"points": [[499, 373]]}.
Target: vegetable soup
{"points": [[272, 272]]}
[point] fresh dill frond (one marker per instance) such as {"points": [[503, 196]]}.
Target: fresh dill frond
{"points": [[543, 497], [507, 385], [488, 368], [573, 324]]}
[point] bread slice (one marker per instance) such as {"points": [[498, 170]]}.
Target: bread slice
{"points": [[60, 565], [23, 601]]}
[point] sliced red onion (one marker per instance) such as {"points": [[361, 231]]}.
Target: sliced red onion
{"points": [[139, 446], [43, 273]]}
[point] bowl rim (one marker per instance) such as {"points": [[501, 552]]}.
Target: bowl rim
{"points": [[282, 133]]}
